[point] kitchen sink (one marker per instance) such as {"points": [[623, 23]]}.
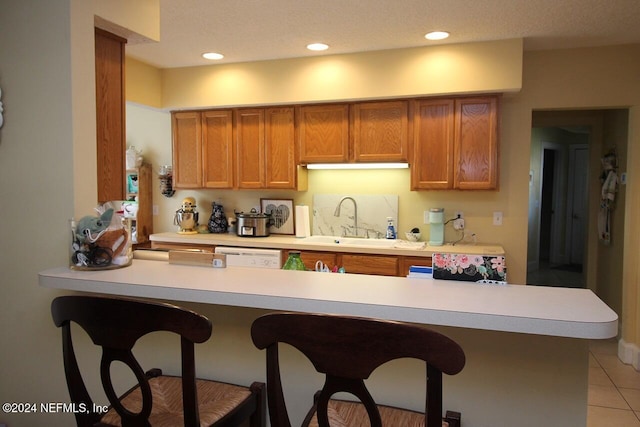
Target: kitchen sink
{"points": [[349, 241]]}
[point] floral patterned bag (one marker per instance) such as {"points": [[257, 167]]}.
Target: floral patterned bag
{"points": [[471, 268]]}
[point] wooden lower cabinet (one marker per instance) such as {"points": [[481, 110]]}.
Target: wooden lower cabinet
{"points": [[379, 265], [370, 264]]}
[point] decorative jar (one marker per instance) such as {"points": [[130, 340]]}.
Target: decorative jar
{"points": [[100, 242]]}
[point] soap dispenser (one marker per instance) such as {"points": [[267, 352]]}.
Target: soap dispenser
{"points": [[391, 230]]}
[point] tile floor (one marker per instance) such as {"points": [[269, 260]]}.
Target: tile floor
{"points": [[614, 388], [564, 276]]}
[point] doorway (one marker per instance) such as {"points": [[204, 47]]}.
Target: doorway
{"points": [[575, 258], [560, 206]]}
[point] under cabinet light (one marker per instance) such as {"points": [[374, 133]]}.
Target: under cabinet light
{"points": [[358, 166]]}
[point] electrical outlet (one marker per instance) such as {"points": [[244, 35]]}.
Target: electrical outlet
{"points": [[458, 224], [156, 210], [497, 218], [426, 217]]}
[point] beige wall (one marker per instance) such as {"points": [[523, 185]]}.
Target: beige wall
{"points": [[143, 83], [477, 67], [594, 79], [47, 170]]}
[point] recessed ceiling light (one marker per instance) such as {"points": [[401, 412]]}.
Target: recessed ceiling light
{"points": [[212, 55], [436, 35], [317, 46]]}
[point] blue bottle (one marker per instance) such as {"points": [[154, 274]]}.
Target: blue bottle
{"points": [[391, 230]]}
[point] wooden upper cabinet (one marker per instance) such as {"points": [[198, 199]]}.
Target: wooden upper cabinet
{"points": [[432, 163], [455, 144], [476, 143], [380, 131], [280, 153], [110, 116], [187, 149], [250, 148], [247, 148], [217, 149], [450, 143], [323, 133]]}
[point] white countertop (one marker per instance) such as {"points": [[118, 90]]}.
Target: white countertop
{"points": [[564, 312], [291, 242]]}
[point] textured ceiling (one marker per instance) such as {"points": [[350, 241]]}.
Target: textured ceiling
{"points": [[254, 30]]}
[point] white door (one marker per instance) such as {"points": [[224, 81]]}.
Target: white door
{"points": [[577, 215]]}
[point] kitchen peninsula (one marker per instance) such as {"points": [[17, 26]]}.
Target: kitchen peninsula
{"points": [[526, 347]]}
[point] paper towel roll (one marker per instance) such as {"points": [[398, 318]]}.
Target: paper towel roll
{"points": [[303, 225]]}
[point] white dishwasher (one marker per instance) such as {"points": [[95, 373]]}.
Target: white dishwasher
{"points": [[251, 257]]}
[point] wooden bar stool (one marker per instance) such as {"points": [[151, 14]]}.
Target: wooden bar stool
{"points": [[116, 324], [347, 350]]}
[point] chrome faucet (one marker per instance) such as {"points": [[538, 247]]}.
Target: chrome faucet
{"points": [[355, 211]]}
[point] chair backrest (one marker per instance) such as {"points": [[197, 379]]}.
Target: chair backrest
{"points": [[115, 325], [347, 350]]}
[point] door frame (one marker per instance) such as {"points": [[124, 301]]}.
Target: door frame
{"points": [[569, 212]]}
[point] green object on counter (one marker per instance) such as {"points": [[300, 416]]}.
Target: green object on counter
{"points": [[294, 262]]}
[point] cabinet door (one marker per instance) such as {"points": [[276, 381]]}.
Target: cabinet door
{"points": [[250, 161], [280, 141], [476, 144], [187, 149], [432, 164], [217, 148], [323, 133], [380, 131], [110, 115], [370, 264]]}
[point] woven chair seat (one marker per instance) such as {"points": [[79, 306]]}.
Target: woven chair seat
{"points": [[353, 414], [215, 400]]}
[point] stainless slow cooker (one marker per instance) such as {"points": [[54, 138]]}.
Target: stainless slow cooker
{"points": [[253, 224]]}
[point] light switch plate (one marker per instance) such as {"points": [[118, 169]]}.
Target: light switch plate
{"points": [[497, 218]]}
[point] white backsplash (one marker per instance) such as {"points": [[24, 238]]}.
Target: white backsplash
{"points": [[373, 211]]}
